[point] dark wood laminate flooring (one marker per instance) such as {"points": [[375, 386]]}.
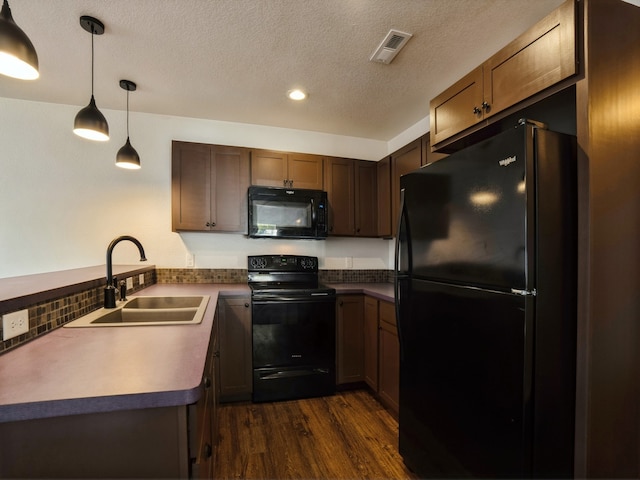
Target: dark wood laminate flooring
{"points": [[345, 436]]}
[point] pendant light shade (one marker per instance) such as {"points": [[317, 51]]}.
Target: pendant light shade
{"points": [[127, 156], [89, 122], [18, 57]]}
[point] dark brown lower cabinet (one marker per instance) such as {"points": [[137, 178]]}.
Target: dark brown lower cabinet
{"points": [[235, 366], [388, 357], [349, 338], [368, 347], [371, 342]]}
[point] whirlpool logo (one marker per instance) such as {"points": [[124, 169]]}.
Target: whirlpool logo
{"points": [[507, 161]]}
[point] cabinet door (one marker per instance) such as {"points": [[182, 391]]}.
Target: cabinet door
{"points": [[458, 107], [268, 168], [427, 155], [236, 381], [305, 171], [384, 197], [340, 188], [389, 357], [190, 186], [230, 174], [349, 338], [539, 58], [365, 208], [403, 161], [371, 342]]}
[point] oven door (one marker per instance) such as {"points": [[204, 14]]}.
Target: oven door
{"points": [[293, 347]]}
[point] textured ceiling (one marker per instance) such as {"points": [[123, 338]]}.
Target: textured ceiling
{"points": [[234, 60]]}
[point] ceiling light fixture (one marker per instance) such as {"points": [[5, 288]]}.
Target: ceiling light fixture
{"points": [[18, 57], [89, 122], [127, 156], [296, 94]]}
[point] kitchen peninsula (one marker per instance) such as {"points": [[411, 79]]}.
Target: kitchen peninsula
{"points": [[111, 401]]}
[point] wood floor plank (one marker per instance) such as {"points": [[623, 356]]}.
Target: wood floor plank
{"points": [[348, 435]]}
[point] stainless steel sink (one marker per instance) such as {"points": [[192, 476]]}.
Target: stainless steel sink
{"points": [[138, 311], [163, 302]]}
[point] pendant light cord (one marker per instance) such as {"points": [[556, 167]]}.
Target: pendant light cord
{"points": [[127, 113], [92, 55]]}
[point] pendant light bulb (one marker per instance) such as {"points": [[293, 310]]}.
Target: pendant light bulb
{"points": [[127, 156], [18, 57], [90, 122]]}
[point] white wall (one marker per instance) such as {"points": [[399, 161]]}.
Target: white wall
{"points": [[62, 200]]}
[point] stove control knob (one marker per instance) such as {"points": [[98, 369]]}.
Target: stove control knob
{"points": [[258, 262], [308, 263]]}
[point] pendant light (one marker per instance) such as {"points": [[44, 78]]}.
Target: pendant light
{"points": [[18, 58], [89, 122], [127, 156]]}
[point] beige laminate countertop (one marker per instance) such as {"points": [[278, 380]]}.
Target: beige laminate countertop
{"points": [[381, 291], [86, 370]]}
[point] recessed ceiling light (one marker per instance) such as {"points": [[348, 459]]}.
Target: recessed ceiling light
{"points": [[297, 94]]}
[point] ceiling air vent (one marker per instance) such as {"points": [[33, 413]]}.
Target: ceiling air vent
{"points": [[390, 46]]}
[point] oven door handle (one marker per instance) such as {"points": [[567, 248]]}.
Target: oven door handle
{"points": [[280, 299]]}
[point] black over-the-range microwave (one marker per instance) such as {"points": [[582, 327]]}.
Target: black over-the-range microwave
{"points": [[287, 213]]}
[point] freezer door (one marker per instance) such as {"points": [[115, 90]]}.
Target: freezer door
{"points": [[467, 214], [465, 382]]}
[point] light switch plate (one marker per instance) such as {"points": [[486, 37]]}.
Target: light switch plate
{"points": [[141, 279], [14, 324], [129, 283]]}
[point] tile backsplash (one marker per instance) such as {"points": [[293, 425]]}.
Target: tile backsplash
{"points": [[47, 315], [52, 313], [204, 275]]}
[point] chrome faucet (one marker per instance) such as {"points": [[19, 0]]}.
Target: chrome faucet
{"points": [[110, 289]]}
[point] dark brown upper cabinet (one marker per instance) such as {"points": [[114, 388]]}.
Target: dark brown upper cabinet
{"points": [[209, 187], [352, 193], [283, 169], [541, 57]]}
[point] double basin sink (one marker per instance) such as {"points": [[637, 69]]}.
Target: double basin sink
{"points": [[138, 311]]}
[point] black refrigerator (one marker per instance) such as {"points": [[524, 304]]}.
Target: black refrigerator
{"points": [[486, 304]]}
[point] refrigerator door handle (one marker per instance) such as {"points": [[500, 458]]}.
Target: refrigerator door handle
{"points": [[525, 293], [398, 275]]}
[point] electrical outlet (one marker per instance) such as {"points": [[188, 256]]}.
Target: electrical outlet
{"points": [[14, 324], [191, 259], [129, 283], [141, 279]]}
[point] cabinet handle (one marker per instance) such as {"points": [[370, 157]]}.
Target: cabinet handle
{"points": [[207, 451], [206, 381], [486, 107], [247, 305], [476, 111], [211, 224]]}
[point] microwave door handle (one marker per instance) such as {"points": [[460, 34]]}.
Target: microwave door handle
{"points": [[313, 212]]}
